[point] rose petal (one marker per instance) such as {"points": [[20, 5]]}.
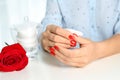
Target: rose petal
{"points": [[14, 46], [11, 55], [23, 63]]}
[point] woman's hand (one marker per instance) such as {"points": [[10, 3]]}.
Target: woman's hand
{"points": [[79, 57], [55, 35], [57, 41]]}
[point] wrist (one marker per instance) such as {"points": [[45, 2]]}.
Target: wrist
{"points": [[102, 50], [106, 48]]}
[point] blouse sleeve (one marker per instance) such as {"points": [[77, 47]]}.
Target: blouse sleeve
{"points": [[53, 14], [117, 26]]}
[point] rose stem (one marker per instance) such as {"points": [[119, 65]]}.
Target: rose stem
{"points": [[6, 43]]}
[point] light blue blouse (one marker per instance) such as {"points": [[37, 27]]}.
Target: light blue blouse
{"points": [[97, 19]]}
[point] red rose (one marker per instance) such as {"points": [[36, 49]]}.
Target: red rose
{"points": [[13, 57]]}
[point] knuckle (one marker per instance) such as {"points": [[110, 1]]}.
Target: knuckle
{"points": [[48, 27], [57, 28]]}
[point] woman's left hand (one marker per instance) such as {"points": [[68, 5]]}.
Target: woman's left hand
{"points": [[78, 57]]}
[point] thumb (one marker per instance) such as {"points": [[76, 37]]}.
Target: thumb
{"points": [[82, 40]]}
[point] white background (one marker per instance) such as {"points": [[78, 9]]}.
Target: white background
{"points": [[13, 12]]}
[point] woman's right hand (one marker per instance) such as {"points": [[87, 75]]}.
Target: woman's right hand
{"points": [[55, 35]]}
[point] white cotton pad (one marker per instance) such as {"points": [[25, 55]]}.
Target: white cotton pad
{"points": [[75, 31]]}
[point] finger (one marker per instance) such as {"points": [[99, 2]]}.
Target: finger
{"points": [[57, 38], [59, 31], [77, 62], [63, 45], [52, 28], [58, 44], [63, 33], [81, 59], [82, 40], [49, 43], [69, 59], [69, 63], [71, 52], [46, 44]]}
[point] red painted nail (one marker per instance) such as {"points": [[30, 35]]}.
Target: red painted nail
{"points": [[51, 49], [73, 43], [52, 53], [56, 47], [72, 40], [71, 37]]}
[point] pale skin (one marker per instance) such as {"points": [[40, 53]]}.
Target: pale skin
{"points": [[79, 57]]}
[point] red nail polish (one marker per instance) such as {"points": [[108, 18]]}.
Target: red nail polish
{"points": [[71, 37], [51, 49], [56, 47], [73, 43], [52, 53], [72, 40]]}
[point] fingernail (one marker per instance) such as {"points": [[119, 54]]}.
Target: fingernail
{"points": [[73, 43], [56, 47], [52, 51], [71, 37], [72, 40]]}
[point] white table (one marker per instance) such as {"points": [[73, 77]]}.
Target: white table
{"points": [[48, 68]]}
